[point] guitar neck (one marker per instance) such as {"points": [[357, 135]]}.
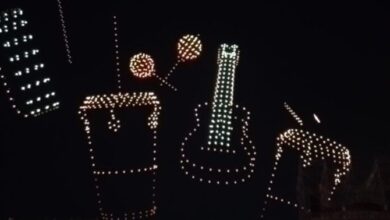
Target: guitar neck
{"points": [[220, 127]]}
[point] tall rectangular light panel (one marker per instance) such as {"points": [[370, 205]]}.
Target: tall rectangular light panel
{"points": [[23, 72]]}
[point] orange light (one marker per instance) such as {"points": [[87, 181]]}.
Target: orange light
{"points": [[189, 47], [142, 65]]}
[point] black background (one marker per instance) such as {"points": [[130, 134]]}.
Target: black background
{"points": [[325, 58]]}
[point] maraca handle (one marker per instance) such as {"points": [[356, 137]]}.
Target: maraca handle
{"points": [[163, 81]]}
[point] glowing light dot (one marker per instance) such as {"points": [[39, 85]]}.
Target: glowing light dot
{"points": [[316, 118]]}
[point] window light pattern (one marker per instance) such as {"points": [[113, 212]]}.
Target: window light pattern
{"points": [[142, 66], [189, 47], [120, 101], [64, 32], [310, 147], [293, 114], [220, 127], [23, 73]]}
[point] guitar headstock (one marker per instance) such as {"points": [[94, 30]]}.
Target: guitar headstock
{"points": [[226, 51]]}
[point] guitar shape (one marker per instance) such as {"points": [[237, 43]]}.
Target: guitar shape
{"points": [[220, 152]]}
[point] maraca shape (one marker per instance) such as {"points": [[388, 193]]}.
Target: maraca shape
{"points": [[189, 47], [142, 65]]}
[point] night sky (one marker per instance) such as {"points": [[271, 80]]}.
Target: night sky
{"points": [[320, 57]]}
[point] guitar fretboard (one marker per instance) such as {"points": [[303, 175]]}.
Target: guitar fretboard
{"points": [[220, 127]]}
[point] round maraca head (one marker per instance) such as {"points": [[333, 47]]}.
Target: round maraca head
{"points": [[189, 47], [142, 65]]}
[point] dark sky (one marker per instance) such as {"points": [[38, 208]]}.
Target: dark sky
{"points": [[325, 58]]}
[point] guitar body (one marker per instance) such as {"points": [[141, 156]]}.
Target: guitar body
{"points": [[217, 151], [213, 164]]}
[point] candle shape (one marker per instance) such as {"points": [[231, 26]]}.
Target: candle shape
{"points": [[22, 69]]}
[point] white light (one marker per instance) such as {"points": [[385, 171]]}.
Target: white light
{"points": [[228, 57], [293, 114], [117, 60], [17, 24], [317, 118], [64, 32]]}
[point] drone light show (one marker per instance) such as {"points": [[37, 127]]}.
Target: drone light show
{"points": [[293, 114], [112, 102], [64, 31], [120, 110], [24, 74], [311, 148], [116, 43], [220, 129], [221, 115], [142, 65], [189, 47]]}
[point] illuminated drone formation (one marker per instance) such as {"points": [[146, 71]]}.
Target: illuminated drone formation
{"points": [[116, 43], [215, 175], [293, 114], [121, 101], [310, 147], [221, 129], [142, 66], [189, 48], [222, 106], [64, 32], [23, 73]]}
